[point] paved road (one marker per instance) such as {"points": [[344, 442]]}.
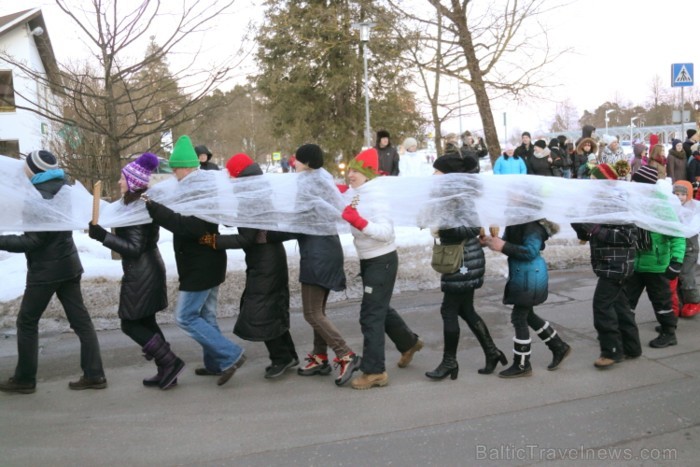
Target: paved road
{"points": [[642, 412]]}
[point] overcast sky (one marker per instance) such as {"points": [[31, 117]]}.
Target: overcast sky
{"points": [[617, 47]]}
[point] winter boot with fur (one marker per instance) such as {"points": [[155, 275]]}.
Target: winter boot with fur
{"points": [[560, 349], [521, 360]]}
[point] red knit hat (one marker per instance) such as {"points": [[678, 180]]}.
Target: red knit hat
{"points": [[604, 172], [237, 163], [367, 163]]}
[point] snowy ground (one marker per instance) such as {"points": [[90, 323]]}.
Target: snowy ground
{"points": [[101, 278]]}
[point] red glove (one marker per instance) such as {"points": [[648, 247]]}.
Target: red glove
{"points": [[342, 188], [354, 218]]}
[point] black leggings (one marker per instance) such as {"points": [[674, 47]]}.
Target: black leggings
{"points": [[141, 330], [522, 317], [458, 305]]}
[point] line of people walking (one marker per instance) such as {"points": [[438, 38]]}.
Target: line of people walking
{"points": [[54, 268]]}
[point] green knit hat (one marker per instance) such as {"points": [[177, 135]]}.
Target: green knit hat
{"points": [[183, 155]]}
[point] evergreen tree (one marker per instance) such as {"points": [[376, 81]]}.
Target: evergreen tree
{"points": [[311, 74]]}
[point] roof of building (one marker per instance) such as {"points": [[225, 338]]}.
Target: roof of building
{"points": [[34, 19]]}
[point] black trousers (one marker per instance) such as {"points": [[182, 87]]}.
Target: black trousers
{"points": [[141, 330], [34, 302], [281, 349], [458, 305], [659, 293], [614, 321], [523, 316], [377, 317]]}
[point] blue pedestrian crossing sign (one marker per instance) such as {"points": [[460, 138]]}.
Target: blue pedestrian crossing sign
{"points": [[681, 74]]}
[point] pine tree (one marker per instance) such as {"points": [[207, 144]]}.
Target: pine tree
{"points": [[311, 74]]}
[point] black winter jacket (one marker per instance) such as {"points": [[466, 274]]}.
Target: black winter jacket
{"points": [[474, 261], [264, 306], [199, 266], [51, 256], [143, 290], [388, 160], [613, 248]]}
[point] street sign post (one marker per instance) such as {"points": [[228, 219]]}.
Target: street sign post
{"points": [[682, 77]]}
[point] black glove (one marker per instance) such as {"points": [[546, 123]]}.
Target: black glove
{"points": [[450, 235], [150, 204], [96, 232], [673, 270]]}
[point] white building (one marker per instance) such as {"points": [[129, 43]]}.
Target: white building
{"points": [[25, 40]]}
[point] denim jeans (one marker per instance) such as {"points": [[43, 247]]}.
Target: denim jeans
{"points": [[196, 315]]}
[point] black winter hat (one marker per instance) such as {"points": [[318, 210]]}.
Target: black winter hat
{"points": [[383, 134], [646, 174], [41, 161], [540, 143], [202, 149], [690, 132], [454, 164], [553, 143], [311, 155], [526, 133]]}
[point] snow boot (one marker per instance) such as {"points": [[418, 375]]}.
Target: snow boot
{"points": [[521, 360], [171, 366], [560, 349]]}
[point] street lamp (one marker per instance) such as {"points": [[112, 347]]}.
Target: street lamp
{"points": [[365, 28], [607, 119], [632, 128]]}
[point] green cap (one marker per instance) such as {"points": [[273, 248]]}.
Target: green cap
{"points": [[183, 155]]}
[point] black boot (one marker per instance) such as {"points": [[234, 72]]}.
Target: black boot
{"points": [[154, 380], [521, 361], [560, 349], [491, 352], [448, 366], [157, 348]]}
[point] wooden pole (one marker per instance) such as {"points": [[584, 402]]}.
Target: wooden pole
{"points": [[96, 196]]}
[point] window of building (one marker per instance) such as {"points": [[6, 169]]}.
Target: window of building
{"points": [[9, 148], [7, 92]]}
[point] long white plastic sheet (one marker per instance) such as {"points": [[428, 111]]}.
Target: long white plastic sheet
{"points": [[309, 202]]}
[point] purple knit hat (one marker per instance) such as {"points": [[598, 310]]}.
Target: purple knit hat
{"points": [[138, 172]]}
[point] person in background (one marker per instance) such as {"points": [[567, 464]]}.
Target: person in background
{"points": [[566, 148], [411, 163], [284, 163], [292, 161], [473, 149], [657, 159], [53, 268], [526, 149], [143, 286], [264, 305], [587, 131], [559, 159], [388, 155], [204, 155], [586, 157], [692, 138], [509, 163], [612, 152], [201, 271], [540, 163], [677, 162], [373, 236], [639, 159], [659, 259], [459, 287]]}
